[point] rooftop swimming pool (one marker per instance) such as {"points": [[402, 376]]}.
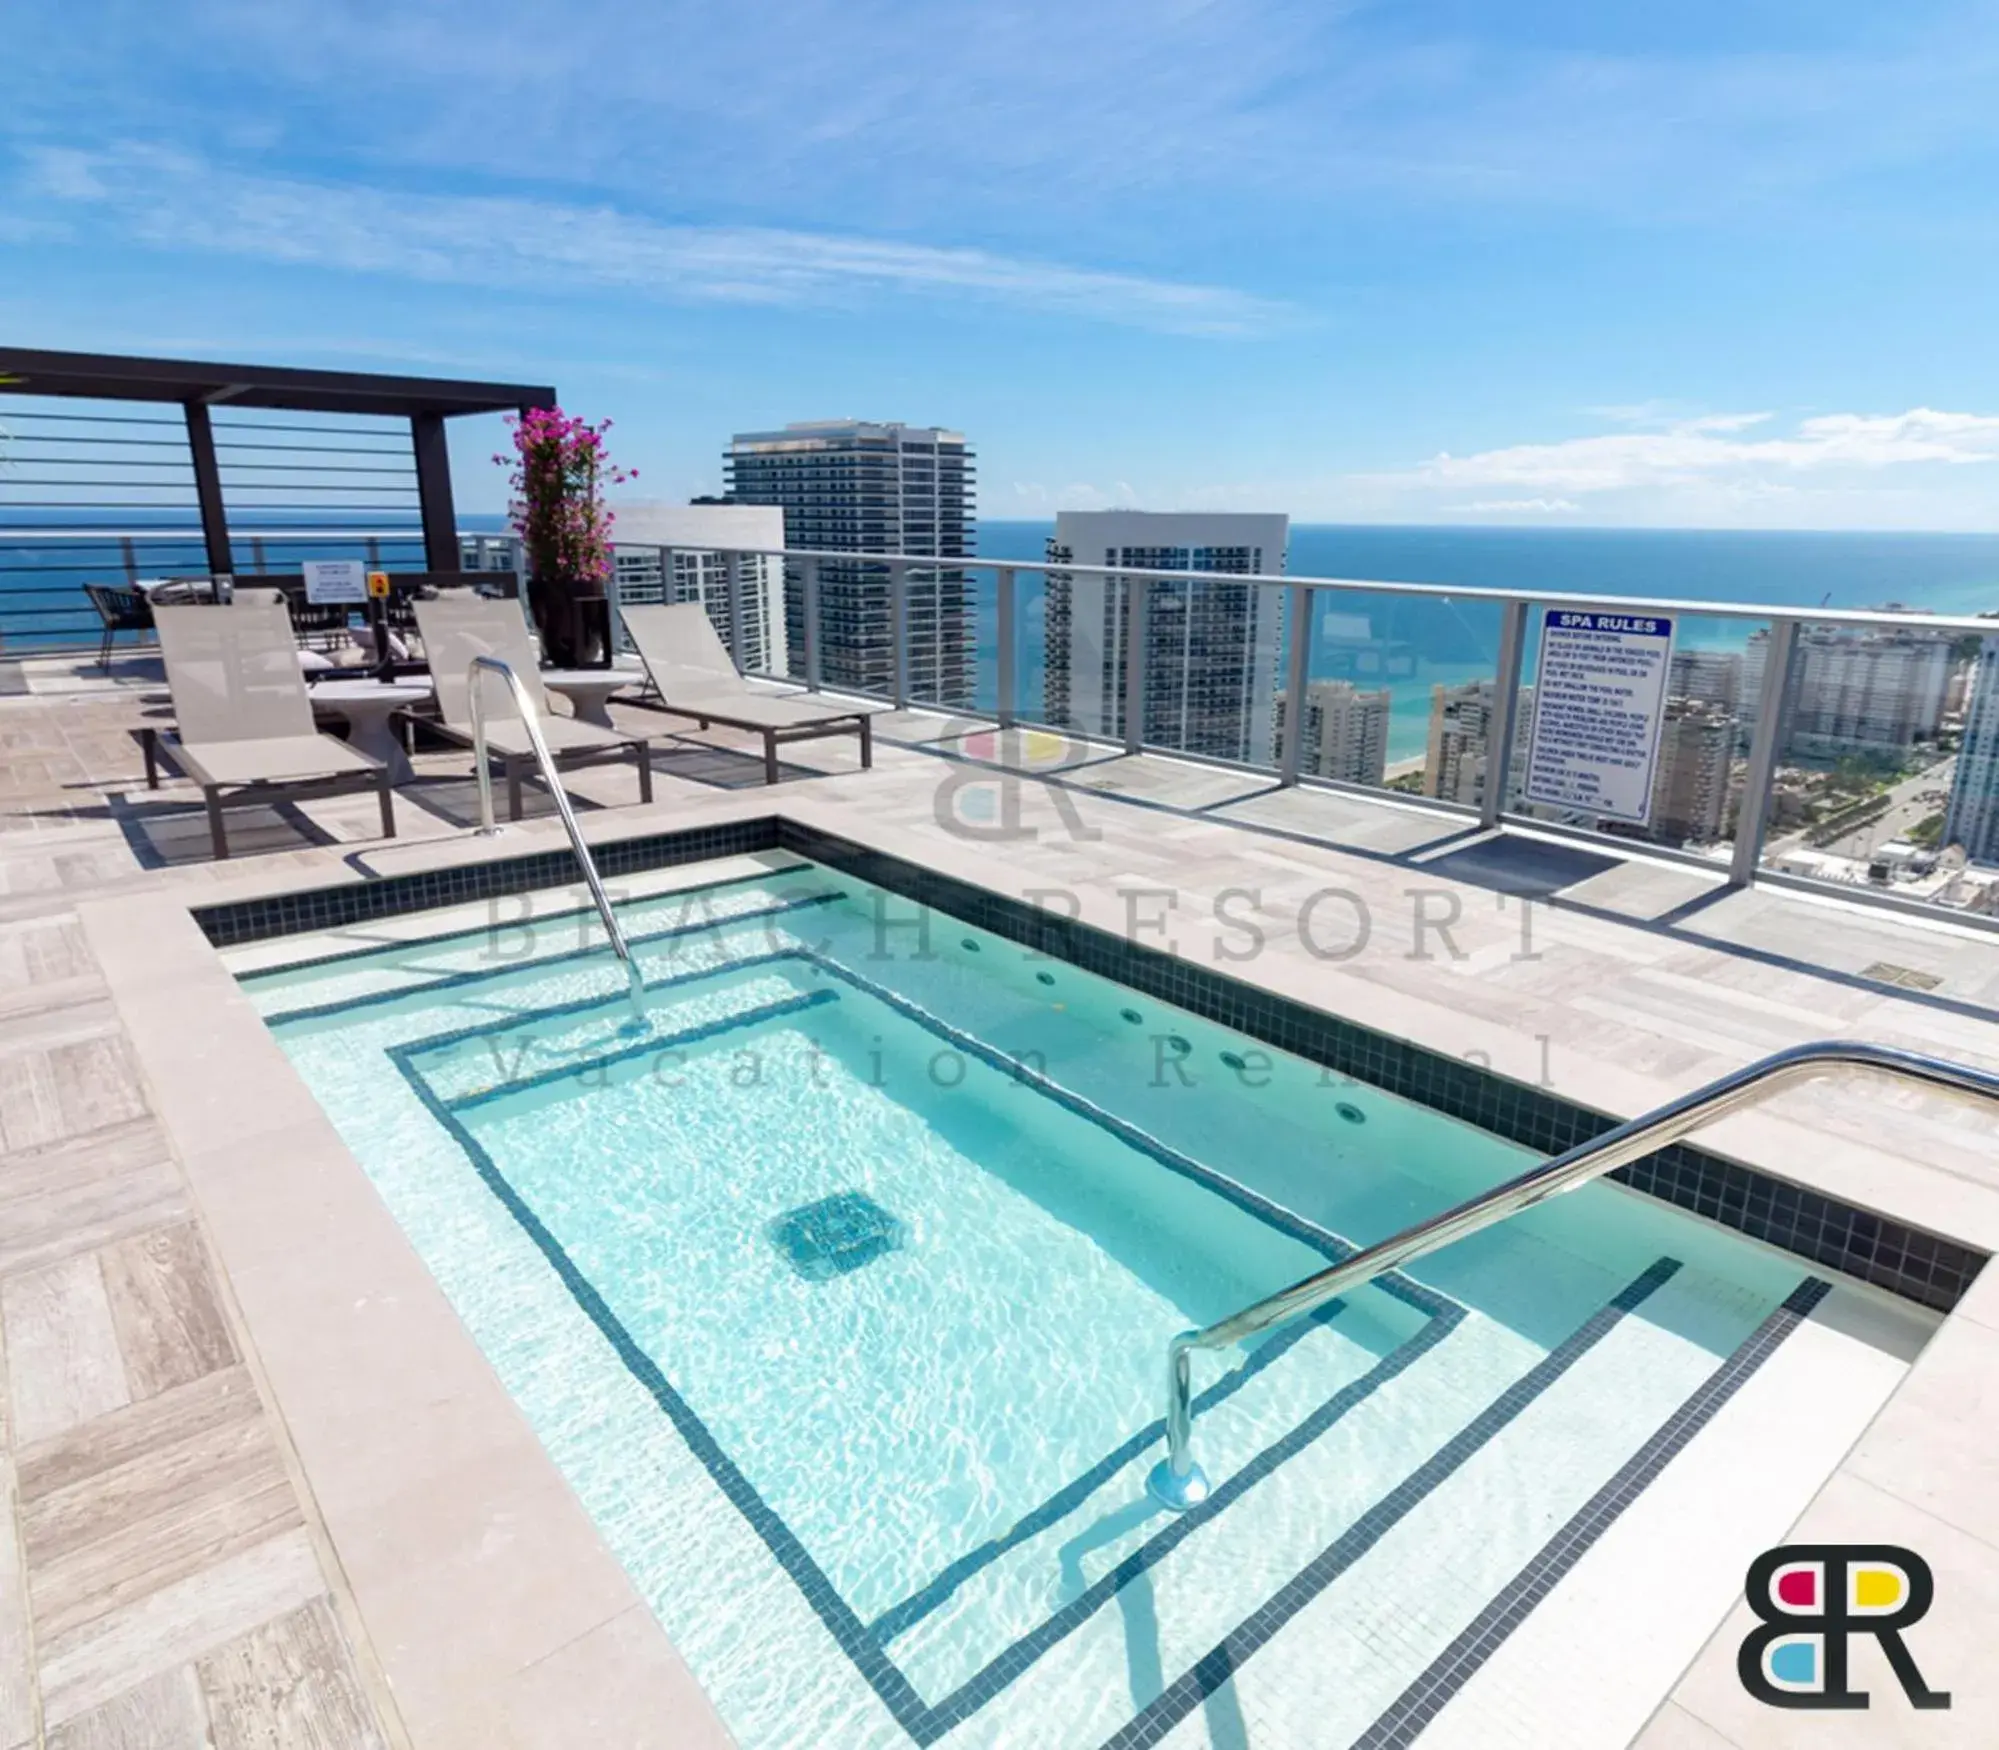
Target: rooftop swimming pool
{"points": [[838, 1286]]}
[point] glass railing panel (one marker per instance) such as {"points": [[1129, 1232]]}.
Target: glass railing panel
{"points": [[1398, 693], [1703, 723], [951, 622], [856, 628], [1072, 624], [1887, 774]]}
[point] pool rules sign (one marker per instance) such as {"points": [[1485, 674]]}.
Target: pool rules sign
{"points": [[1599, 705]]}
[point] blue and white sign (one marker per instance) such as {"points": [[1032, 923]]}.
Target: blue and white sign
{"points": [[335, 582], [1599, 707]]}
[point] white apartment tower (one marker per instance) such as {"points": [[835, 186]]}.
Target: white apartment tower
{"points": [[1857, 691], [1461, 724], [1211, 648], [1344, 734], [855, 486], [644, 531], [1691, 781]]}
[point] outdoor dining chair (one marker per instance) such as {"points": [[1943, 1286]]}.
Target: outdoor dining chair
{"points": [[122, 609]]}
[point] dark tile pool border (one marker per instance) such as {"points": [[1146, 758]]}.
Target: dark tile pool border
{"points": [[234, 922], [1919, 1266]]}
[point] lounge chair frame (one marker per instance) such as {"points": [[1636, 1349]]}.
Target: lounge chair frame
{"points": [[500, 626], [689, 622], [237, 673]]}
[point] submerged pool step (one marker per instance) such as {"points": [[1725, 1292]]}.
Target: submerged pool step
{"points": [[332, 991], [1445, 1475], [1401, 1605], [592, 1041]]}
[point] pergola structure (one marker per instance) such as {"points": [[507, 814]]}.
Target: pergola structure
{"points": [[426, 402]]}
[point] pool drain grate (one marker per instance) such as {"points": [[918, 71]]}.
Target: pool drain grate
{"points": [[836, 1235]]}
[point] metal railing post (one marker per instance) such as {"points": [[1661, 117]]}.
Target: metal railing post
{"points": [[1752, 815], [1297, 678], [614, 612], [129, 551], [1134, 662], [1006, 705], [808, 597], [1505, 723], [898, 629], [1179, 1483], [488, 827], [732, 583]]}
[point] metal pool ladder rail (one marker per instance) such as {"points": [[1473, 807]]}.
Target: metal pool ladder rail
{"points": [[1178, 1482], [531, 721]]}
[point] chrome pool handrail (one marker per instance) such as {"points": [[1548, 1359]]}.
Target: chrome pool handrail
{"points": [[1178, 1482], [531, 722]]}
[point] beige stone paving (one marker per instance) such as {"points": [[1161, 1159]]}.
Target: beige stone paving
{"points": [[168, 1567]]}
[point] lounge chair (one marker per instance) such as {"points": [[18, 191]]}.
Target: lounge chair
{"points": [[455, 631], [244, 718], [695, 677]]}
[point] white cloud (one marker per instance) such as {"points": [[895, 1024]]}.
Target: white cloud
{"points": [[1708, 448], [170, 200], [1520, 506]]}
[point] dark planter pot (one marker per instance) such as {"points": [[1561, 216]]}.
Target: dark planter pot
{"points": [[573, 619]]}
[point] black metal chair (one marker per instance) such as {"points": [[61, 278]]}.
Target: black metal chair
{"points": [[121, 610]]}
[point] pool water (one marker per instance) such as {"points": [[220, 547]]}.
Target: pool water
{"points": [[839, 1290]]}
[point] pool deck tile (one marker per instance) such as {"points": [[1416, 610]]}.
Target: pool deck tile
{"points": [[120, 1121]]}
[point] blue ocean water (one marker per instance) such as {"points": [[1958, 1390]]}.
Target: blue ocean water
{"points": [[1410, 644]]}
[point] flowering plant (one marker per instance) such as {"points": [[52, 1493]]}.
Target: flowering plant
{"points": [[558, 510]]}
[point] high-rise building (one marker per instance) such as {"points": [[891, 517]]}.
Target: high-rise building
{"points": [[1210, 648], [1857, 691], [1973, 817], [1713, 677], [1690, 782], [1460, 726], [642, 533], [851, 486], [1344, 734]]}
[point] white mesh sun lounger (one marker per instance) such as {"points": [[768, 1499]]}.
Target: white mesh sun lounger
{"points": [[245, 732], [696, 678], [456, 630]]}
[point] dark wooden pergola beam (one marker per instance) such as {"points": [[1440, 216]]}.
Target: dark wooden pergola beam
{"points": [[195, 386]]}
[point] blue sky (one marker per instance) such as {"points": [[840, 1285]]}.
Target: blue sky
{"points": [[1712, 264]]}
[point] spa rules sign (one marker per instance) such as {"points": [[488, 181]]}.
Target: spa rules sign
{"points": [[1599, 706]]}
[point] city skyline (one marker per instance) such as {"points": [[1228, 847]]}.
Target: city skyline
{"points": [[818, 216]]}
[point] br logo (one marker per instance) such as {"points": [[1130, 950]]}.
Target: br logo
{"points": [[1812, 1598]]}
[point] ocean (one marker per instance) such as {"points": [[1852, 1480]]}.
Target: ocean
{"points": [[1371, 638], [1408, 644]]}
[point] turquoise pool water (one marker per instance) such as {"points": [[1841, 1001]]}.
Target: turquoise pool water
{"points": [[840, 1294]]}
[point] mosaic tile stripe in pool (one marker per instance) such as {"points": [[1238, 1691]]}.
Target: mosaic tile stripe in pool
{"points": [[926, 1722], [1405, 1718], [1188, 1691]]}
